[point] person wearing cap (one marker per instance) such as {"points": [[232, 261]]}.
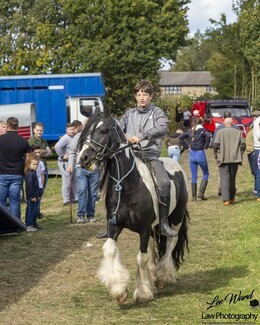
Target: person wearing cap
{"points": [[250, 150], [195, 117], [257, 152], [228, 150]]}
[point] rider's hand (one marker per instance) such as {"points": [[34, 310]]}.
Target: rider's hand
{"points": [[134, 139]]}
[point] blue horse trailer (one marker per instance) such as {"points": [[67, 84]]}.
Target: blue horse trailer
{"points": [[58, 98]]}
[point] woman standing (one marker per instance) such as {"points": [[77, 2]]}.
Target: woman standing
{"points": [[197, 140]]}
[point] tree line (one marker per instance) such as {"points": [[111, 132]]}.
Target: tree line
{"points": [[126, 40], [230, 52], [123, 39]]}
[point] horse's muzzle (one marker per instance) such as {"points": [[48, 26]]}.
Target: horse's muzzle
{"points": [[84, 161]]}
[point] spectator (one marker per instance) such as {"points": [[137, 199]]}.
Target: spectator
{"points": [[197, 140], [45, 149], [3, 127], [13, 149], [87, 185], [178, 116], [257, 155], [228, 149], [222, 125], [195, 117], [173, 145], [36, 149], [167, 111], [46, 152], [62, 147], [78, 125], [219, 127], [186, 119], [33, 193], [250, 149]]}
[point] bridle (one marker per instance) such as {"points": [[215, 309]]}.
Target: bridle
{"points": [[111, 153], [107, 152]]}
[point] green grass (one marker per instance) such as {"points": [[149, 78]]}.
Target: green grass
{"points": [[48, 277]]}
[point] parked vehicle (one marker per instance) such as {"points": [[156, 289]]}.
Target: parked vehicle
{"points": [[25, 114], [213, 110], [58, 99]]}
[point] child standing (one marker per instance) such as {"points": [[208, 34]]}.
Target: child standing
{"points": [[40, 172], [32, 191]]}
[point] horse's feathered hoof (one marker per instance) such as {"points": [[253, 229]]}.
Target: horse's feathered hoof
{"points": [[122, 299], [161, 284]]}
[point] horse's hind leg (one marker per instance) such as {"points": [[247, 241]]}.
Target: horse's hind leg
{"points": [[112, 273], [145, 276]]}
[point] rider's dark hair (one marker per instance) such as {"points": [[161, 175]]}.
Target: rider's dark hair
{"points": [[145, 86]]}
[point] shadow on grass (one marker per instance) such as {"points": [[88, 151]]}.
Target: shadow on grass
{"points": [[203, 282], [27, 258]]}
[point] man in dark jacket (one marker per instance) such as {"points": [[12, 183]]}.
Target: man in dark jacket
{"points": [[13, 149], [228, 149]]}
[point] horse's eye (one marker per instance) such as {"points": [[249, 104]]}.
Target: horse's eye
{"points": [[103, 131]]}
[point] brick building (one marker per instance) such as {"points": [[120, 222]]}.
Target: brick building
{"points": [[191, 83]]}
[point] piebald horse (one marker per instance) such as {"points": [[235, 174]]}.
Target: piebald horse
{"points": [[132, 202]]}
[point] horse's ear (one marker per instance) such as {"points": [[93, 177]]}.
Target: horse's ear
{"points": [[107, 111], [97, 108]]}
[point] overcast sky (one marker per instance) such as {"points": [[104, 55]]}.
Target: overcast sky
{"points": [[202, 10]]}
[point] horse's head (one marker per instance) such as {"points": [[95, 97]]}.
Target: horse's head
{"points": [[100, 138]]}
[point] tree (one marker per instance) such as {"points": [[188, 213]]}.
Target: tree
{"points": [[194, 56], [249, 32], [124, 39]]}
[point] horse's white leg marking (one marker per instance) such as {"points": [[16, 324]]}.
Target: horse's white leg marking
{"points": [[152, 259], [112, 273], [144, 282], [165, 271]]}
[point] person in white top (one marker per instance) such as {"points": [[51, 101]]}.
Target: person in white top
{"points": [[186, 119], [40, 172], [62, 148], [257, 155]]}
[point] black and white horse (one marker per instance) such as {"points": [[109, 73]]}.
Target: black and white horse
{"points": [[132, 202]]}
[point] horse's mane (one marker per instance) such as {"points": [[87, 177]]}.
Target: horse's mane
{"points": [[94, 119], [114, 131]]}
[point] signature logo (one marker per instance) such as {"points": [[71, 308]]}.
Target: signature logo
{"points": [[232, 298], [254, 303]]}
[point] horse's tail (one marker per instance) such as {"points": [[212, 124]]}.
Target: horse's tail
{"points": [[181, 245], [183, 241]]}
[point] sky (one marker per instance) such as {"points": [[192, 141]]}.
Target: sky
{"points": [[202, 10]]}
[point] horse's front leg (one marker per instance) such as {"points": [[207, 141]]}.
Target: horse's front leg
{"points": [[112, 273], [144, 291]]}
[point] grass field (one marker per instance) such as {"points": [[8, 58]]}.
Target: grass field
{"points": [[48, 277]]}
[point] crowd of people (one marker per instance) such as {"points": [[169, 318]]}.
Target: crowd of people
{"points": [[146, 125], [24, 162], [228, 147]]}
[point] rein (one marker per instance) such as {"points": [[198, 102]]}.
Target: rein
{"points": [[118, 181]]}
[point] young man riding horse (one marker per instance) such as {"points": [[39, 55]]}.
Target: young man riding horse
{"points": [[147, 124]]}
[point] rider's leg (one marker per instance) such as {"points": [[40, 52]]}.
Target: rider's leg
{"points": [[164, 187]]}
